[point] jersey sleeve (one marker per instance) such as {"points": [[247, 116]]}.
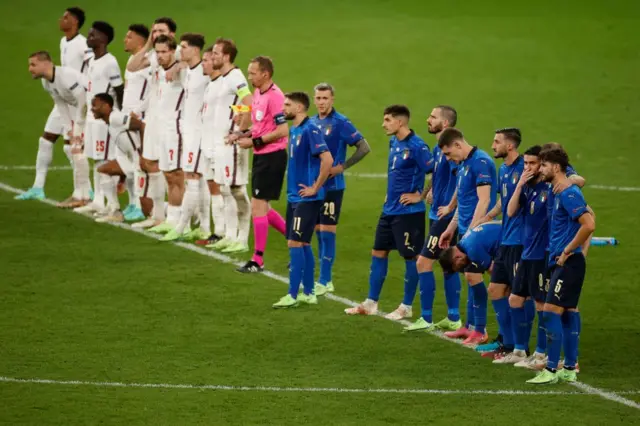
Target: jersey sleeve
{"points": [[119, 121], [574, 203], [238, 84], [315, 140], [276, 107], [349, 133], [113, 72], [482, 168], [423, 157], [571, 171]]}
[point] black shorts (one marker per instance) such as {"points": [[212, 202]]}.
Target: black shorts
{"points": [[330, 213], [267, 175], [431, 249], [505, 264], [403, 232], [301, 220], [566, 282], [531, 280]]}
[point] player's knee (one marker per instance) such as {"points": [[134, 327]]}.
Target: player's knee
{"points": [[539, 306], [259, 208], [497, 291], [424, 264], [51, 137], [328, 228], [516, 301], [380, 253], [214, 188], [294, 244], [473, 278]]}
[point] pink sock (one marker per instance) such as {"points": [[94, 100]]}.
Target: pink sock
{"points": [[260, 233], [277, 221]]}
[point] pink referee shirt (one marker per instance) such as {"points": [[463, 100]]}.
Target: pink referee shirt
{"points": [[266, 114]]}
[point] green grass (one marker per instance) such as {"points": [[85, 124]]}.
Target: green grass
{"points": [[80, 301]]}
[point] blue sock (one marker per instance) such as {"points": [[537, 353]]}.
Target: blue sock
{"points": [[427, 294], [410, 282], [471, 319], [571, 330], [327, 257], [452, 294], [553, 324], [541, 341], [520, 325], [379, 268], [530, 315], [480, 298], [309, 270], [296, 255], [501, 306], [320, 245]]}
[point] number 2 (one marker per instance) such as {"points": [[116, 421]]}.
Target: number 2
{"points": [[406, 239]]}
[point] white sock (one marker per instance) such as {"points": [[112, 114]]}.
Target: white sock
{"points": [[173, 214], [131, 189], [204, 211], [81, 179], [110, 190], [67, 151], [189, 204], [230, 214], [98, 195], [43, 160], [156, 193], [217, 212], [244, 212]]}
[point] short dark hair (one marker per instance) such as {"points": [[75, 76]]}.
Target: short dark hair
{"points": [[165, 39], [265, 64], [105, 97], [449, 136], [299, 97], [556, 156], [446, 260], [140, 29], [534, 150], [229, 48], [42, 55], [511, 133], [77, 13], [170, 23], [105, 28], [450, 114], [193, 39], [397, 111], [209, 49]]}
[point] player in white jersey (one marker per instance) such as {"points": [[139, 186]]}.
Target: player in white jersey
{"points": [[154, 191], [73, 47], [103, 76], [196, 196], [230, 163], [124, 129]]}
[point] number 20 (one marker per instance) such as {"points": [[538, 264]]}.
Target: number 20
{"points": [[329, 208]]}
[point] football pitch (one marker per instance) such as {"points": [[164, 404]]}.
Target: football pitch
{"points": [[100, 324]]}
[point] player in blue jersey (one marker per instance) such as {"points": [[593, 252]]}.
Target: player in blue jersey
{"points": [[309, 165], [442, 199], [478, 248], [339, 133], [402, 223], [570, 225], [476, 195]]}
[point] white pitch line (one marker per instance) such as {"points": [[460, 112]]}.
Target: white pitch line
{"points": [[354, 174], [608, 395]]}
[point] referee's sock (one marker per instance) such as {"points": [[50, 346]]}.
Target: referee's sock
{"points": [[260, 233], [277, 221]]}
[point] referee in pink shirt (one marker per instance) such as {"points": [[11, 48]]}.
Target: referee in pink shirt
{"points": [[269, 134]]}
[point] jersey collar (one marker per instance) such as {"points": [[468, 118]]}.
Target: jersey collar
{"points": [[196, 65], [53, 75], [473, 151], [303, 121], [268, 88], [409, 136], [170, 66], [227, 73]]}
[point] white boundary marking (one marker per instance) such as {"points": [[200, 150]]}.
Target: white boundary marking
{"points": [[587, 389], [354, 174]]}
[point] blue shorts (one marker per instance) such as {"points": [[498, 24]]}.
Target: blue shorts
{"points": [[431, 249], [301, 220], [403, 232], [330, 212], [505, 264], [531, 279], [566, 282]]}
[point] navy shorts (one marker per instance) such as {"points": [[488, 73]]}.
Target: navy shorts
{"points": [[531, 280], [301, 220], [431, 248], [505, 265], [403, 232], [566, 282], [330, 212]]}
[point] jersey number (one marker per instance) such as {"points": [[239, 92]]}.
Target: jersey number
{"points": [[558, 287], [190, 157], [406, 239], [393, 166], [89, 86], [515, 269], [141, 182], [99, 146], [296, 223], [504, 190], [329, 208], [226, 171], [432, 242], [170, 155]]}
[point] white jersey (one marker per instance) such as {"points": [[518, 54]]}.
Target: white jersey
{"points": [[170, 100], [195, 83], [136, 89], [74, 52], [103, 74], [154, 68], [227, 90], [119, 122], [69, 94]]}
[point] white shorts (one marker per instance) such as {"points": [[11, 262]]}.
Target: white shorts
{"points": [[231, 165], [192, 154], [97, 141], [151, 142], [170, 150], [56, 125], [128, 145]]}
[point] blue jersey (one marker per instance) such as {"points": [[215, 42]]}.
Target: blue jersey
{"points": [[409, 161], [481, 243], [550, 203], [443, 182], [534, 200], [476, 170], [568, 206], [338, 132], [305, 146], [508, 177]]}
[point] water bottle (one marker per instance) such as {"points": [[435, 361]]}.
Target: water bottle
{"points": [[604, 241]]}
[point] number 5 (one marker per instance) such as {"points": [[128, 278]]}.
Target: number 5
{"points": [[558, 287]]}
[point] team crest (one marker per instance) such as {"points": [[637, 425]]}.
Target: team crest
{"points": [[259, 115], [543, 196], [327, 130], [514, 178], [405, 154]]}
